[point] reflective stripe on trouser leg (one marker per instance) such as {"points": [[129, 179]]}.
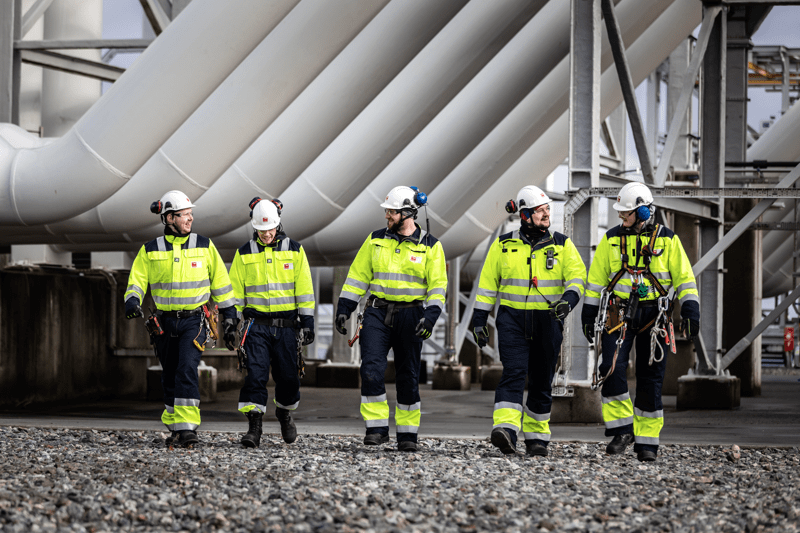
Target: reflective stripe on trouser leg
{"points": [[375, 411], [407, 417], [187, 414], [617, 411], [536, 426], [647, 426], [507, 415]]}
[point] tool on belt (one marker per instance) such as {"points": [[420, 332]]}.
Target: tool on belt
{"points": [[208, 323], [241, 353], [301, 364], [615, 313]]}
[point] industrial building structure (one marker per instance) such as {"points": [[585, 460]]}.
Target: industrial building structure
{"points": [[328, 105]]}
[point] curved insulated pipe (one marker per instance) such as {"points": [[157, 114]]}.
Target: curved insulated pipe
{"points": [[463, 150], [550, 149], [134, 118], [225, 124]]}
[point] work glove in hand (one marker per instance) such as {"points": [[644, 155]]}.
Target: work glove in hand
{"points": [[229, 333], [308, 336], [341, 320], [481, 336], [588, 332], [690, 328], [424, 328], [132, 309], [559, 310]]}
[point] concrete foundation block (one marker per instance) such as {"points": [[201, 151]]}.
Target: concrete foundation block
{"points": [[708, 392], [490, 376], [451, 377], [339, 375], [585, 407]]}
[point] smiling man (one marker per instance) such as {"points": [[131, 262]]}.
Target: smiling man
{"points": [[182, 270], [636, 263], [539, 278], [404, 268]]}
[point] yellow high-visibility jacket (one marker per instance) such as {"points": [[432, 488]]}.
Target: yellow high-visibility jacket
{"points": [[669, 264], [182, 272], [396, 268], [518, 274], [274, 280]]}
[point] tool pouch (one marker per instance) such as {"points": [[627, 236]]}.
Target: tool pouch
{"points": [[614, 314]]}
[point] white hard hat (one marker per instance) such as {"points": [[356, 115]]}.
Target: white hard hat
{"points": [[530, 197], [633, 195], [401, 198], [265, 216], [171, 201]]}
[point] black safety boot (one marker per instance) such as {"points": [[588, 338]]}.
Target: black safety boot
{"points": [[536, 449], [406, 446], [646, 456], [619, 443], [169, 441], [253, 436], [186, 438], [374, 439], [288, 429], [501, 439]]}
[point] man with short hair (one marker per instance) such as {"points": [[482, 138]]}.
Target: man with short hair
{"points": [[182, 270], [404, 268]]}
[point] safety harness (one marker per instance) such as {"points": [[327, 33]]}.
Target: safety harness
{"points": [[615, 315]]}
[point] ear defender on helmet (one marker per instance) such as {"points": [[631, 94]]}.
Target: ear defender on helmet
{"points": [[643, 211], [420, 198], [511, 207], [155, 207], [253, 204], [279, 205]]}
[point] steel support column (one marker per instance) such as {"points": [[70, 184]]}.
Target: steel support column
{"points": [[679, 61], [712, 174], [584, 158], [10, 27]]}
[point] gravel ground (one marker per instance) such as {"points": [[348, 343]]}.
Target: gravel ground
{"points": [[72, 480]]}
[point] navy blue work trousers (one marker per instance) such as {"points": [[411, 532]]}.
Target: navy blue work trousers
{"points": [[649, 378], [530, 342], [179, 359], [265, 346], [375, 340]]}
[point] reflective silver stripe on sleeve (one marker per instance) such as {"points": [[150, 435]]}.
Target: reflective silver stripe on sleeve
{"points": [[596, 288], [138, 290], [487, 293], [395, 276], [222, 290], [435, 303], [483, 306], [662, 275], [576, 281], [689, 298], [350, 296], [438, 291], [357, 284], [688, 285], [304, 298], [305, 311], [230, 302]]}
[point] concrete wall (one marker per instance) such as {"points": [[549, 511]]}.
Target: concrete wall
{"points": [[55, 326]]}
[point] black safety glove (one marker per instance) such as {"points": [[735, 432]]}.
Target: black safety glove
{"points": [[229, 333], [481, 336], [132, 309], [341, 320], [588, 332], [308, 336], [690, 328], [424, 328], [559, 310]]}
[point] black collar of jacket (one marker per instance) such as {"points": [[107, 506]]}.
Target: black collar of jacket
{"points": [[546, 240], [279, 236], [414, 237]]}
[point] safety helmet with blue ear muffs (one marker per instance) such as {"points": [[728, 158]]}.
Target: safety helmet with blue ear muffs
{"points": [[404, 198], [635, 196]]}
